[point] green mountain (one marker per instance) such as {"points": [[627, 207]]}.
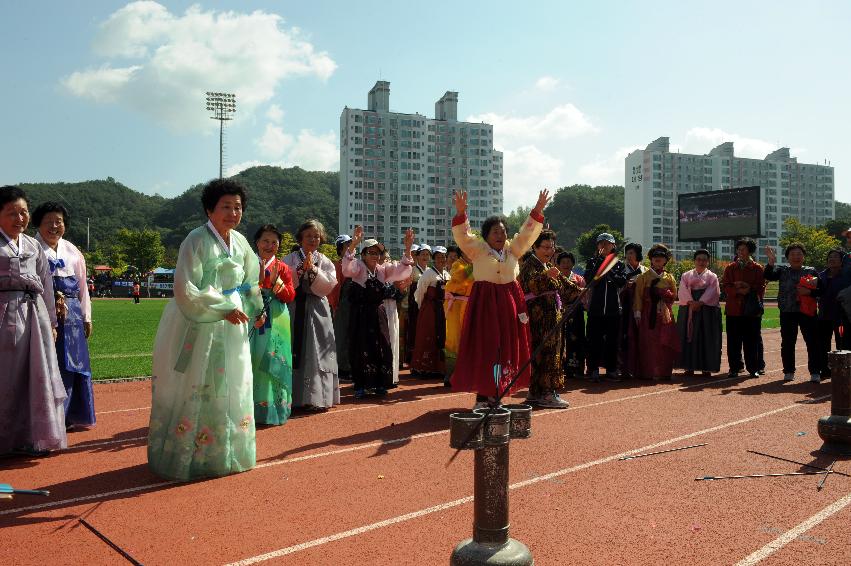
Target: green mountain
{"points": [[284, 197]]}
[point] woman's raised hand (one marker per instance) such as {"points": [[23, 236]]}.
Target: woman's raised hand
{"points": [[357, 237], [543, 199], [409, 240], [461, 202], [769, 253]]}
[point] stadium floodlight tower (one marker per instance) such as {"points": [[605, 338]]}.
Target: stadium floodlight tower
{"points": [[222, 105]]}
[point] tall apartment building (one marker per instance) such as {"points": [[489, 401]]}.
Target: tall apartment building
{"points": [[399, 170], [654, 177]]}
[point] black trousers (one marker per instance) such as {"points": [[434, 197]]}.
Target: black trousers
{"points": [[743, 333], [790, 322], [603, 341], [828, 329]]}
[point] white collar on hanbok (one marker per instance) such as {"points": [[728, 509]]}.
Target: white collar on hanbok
{"points": [[499, 255], [61, 260], [225, 247], [15, 244]]}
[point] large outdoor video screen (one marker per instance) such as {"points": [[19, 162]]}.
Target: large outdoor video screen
{"points": [[720, 215]]}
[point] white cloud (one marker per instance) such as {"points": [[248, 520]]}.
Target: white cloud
{"points": [[177, 58], [527, 168], [701, 140], [562, 122], [605, 171], [274, 143], [547, 83], [275, 114], [308, 150]]}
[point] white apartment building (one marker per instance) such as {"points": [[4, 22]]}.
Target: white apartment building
{"points": [[399, 170], [654, 177]]}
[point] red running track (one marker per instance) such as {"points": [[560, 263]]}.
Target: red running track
{"points": [[367, 483]]}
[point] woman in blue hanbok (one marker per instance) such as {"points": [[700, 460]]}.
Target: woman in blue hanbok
{"points": [[202, 413], [73, 312]]}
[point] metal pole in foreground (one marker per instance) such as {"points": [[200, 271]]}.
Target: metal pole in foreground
{"points": [[835, 430], [222, 105], [490, 544]]}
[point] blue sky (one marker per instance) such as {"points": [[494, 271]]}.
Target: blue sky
{"points": [[100, 88]]}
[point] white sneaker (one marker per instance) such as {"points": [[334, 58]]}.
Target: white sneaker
{"points": [[788, 377], [553, 401], [815, 378]]}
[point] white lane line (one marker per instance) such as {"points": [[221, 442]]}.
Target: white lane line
{"points": [[795, 532], [83, 445], [122, 410], [88, 497], [407, 438], [518, 485], [391, 441]]}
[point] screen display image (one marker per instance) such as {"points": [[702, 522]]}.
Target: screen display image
{"points": [[720, 215]]}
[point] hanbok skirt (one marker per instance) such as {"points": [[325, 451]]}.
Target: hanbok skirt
{"points": [[431, 334], [271, 361], [700, 337], [659, 345], [341, 329], [72, 354], [32, 414], [315, 380], [495, 332], [202, 412], [369, 346], [455, 309]]}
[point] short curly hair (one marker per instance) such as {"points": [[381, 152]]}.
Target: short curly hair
{"points": [[217, 188], [492, 221]]}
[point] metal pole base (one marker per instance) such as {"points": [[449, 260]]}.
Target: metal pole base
{"points": [[836, 432], [471, 553]]}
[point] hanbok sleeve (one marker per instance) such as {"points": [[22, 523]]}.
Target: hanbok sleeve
{"points": [[200, 305], [326, 277], [426, 281], [685, 288], [353, 268], [253, 304], [712, 295], [43, 269], [529, 232], [287, 292], [469, 243], [638, 298], [396, 271]]}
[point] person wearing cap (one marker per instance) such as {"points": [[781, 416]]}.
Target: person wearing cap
{"points": [[495, 336], [271, 343], [370, 352], [421, 259], [428, 359], [316, 384], [547, 289], [743, 284], [604, 311], [658, 340], [340, 307]]}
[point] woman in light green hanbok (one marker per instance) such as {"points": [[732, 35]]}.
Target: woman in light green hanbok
{"points": [[202, 412]]}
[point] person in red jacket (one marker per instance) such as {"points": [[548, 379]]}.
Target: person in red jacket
{"points": [[271, 342], [744, 286]]}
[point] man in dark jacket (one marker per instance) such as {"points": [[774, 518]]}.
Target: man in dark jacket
{"points": [[604, 312]]}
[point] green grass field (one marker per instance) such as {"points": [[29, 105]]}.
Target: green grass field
{"points": [[123, 337]]}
